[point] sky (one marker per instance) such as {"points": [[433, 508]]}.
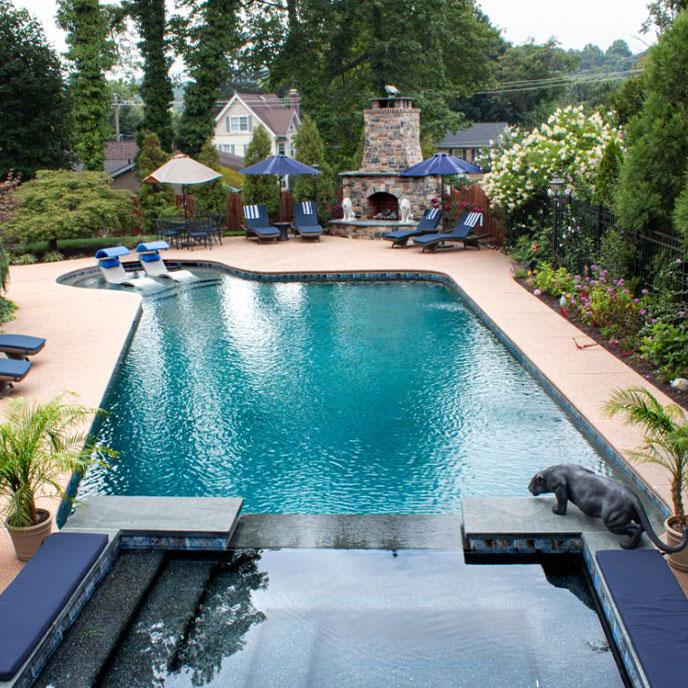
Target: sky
{"points": [[574, 22]]}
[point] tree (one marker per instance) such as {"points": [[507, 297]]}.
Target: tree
{"points": [[260, 188], [91, 54], [653, 171], [34, 124], [156, 88], [662, 14], [311, 150], [60, 204], [205, 37], [210, 197], [155, 200], [608, 174], [130, 116]]}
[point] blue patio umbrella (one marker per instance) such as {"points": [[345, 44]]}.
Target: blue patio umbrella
{"points": [[441, 165], [279, 165]]}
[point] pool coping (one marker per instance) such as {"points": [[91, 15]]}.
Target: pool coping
{"points": [[581, 423]]}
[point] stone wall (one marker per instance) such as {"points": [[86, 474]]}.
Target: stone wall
{"points": [[392, 139]]}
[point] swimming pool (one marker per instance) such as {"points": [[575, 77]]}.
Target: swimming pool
{"points": [[349, 397], [327, 617]]}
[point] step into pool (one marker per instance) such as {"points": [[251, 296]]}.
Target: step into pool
{"points": [[330, 397], [355, 618]]}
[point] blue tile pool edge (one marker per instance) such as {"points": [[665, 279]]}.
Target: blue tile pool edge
{"points": [[578, 419]]}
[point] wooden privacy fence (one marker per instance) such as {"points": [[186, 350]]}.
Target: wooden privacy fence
{"points": [[474, 195]]}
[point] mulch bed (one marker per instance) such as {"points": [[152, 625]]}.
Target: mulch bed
{"points": [[631, 359]]}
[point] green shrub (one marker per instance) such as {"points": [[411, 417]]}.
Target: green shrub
{"points": [[155, 200], [210, 198], [554, 282], [680, 216], [263, 188], [617, 252], [8, 310], [24, 259], [52, 257], [666, 347], [60, 204]]}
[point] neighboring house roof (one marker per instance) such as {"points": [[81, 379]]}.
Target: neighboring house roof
{"points": [[120, 157], [479, 135], [270, 109], [234, 162]]}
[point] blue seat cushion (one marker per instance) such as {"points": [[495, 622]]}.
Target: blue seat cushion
{"points": [[39, 593], [13, 370], [266, 231], [654, 611], [401, 234], [309, 229], [150, 257], [21, 343], [108, 263]]}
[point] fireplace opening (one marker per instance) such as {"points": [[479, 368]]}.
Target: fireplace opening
{"points": [[383, 206]]}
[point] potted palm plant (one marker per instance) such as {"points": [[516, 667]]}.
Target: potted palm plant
{"points": [[666, 445], [40, 442]]}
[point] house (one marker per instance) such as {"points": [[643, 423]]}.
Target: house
{"points": [[469, 143], [243, 112], [120, 164]]}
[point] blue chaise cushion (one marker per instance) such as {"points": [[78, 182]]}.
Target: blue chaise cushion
{"points": [[654, 611], [150, 257], [39, 593], [13, 370], [21, 343], [108, 263]]}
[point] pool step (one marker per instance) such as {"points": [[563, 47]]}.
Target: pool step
{"points": [[87, 645], [160, 626]]}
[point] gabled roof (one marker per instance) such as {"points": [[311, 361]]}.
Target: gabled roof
{"points": [[234, 162], [120, 157], [272, 111], [479, 135]]}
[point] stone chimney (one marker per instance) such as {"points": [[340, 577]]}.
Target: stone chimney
{"points": [[392, 136], [294, 100]]}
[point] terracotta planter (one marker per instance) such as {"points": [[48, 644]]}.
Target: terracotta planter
{"points": [[26, 541], [674, 537]]}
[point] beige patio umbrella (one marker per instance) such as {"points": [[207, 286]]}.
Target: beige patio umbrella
{"points": [[184, 171]]}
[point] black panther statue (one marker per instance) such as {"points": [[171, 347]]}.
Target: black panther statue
{"points": [[601, 497]]}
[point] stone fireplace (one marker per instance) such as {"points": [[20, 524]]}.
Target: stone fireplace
{"points": [[391, 145]]}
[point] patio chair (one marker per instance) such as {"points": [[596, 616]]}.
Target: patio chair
{"points": [[170, 231], [428, 223], [154, 266], [200, 232], [12, 370], [306, 220], [20, 346], [257, 225], [463, 232]]}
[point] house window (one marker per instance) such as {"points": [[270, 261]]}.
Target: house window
{"points": [[281, 148], [238, 124], [227, 148], [245, 149]]}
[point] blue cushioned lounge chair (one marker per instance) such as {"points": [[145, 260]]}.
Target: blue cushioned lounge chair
{"points": [[20, 346], [306, 220], [113, 271], [463, 232], [428, 224], [154, 266], [257, 224], [12, 370]]}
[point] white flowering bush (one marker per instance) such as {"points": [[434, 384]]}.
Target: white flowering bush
{"points": [[569, 145]]}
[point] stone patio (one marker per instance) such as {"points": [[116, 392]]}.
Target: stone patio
{"points": [[87, 329]]}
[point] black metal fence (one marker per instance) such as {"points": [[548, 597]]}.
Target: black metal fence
{"points": [[585, 233]]}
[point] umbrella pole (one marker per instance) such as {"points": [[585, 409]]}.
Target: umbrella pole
{"points": [[444, 224]]}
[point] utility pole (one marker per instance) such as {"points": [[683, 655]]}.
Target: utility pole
{"points": [[116, 104]]}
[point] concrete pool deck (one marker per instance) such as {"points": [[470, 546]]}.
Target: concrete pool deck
{"points": [[87, 328]]}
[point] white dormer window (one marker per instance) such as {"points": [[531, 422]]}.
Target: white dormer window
{"points": [[237, 124]]}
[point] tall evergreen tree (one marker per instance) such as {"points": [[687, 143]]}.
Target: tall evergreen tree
{"points": [[260, 188], [155, 200], [91, 53], [156, 88], [311, 150], [210, 197], [205, 37], [33, 106], [653, 172]]}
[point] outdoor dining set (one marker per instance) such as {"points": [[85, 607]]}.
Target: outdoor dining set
{"points": [[188, 233]]}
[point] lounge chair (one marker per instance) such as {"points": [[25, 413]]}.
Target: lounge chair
{"points": [[257, 225], [306, 220], [154, 266], [12, 370], [113, 271], [463, 232], [20, 346], [428, 224]]}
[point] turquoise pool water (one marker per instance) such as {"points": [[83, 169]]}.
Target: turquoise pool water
{"points": [[367, 397]]}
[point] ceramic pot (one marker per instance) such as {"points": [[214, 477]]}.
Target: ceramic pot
{"points": [[673, 537], [26, 541]]}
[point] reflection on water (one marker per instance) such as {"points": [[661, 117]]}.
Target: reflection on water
{"points": [[348, 618]]}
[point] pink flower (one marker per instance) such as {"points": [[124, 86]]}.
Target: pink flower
{"points": [[537, 292]]}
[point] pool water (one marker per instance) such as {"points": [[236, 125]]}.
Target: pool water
{"points": [[358, 618], [359, 397]]}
